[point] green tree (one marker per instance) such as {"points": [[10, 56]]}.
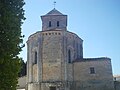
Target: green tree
{"points": [[11, 42], [23, 69]]}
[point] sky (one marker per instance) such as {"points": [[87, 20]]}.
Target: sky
{"points": [[97, 22]]}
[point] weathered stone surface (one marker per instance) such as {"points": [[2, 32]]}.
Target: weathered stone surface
{"points": [[54, 18], [101, 80], [60, 61], [21, 83]]}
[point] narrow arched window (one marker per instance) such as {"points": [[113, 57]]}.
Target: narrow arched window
{"points": [[69, 56], [49, 23], [35, 58], [57, 23]]}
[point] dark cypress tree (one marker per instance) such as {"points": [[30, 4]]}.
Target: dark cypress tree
{"points": [[11, 42], [23, 69]]}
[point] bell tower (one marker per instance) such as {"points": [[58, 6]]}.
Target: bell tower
{"points": [[54, 20]]}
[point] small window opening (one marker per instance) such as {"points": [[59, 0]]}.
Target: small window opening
{"points": [[58, 24], [49, 23], [35, 58], [92, 70], [69, 56], [52, 88]]}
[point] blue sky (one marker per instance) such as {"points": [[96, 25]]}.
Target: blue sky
{"points": [[97, 22]]}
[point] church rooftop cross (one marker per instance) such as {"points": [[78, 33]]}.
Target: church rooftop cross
{"points": [[54, 3]]}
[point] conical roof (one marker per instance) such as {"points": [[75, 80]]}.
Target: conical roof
{"points": [[54, 12]]}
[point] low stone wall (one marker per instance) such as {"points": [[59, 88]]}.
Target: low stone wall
{"points": [[101, 79], [21, 83]]}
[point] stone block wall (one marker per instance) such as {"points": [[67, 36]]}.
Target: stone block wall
{"points": [[102, 79], [51, 55], [21, 83], [35, 73], [33, 45], [62, 22], [75, 44], [53, 67]]}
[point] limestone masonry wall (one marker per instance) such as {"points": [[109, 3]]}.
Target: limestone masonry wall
{"points": [[102, 79]]}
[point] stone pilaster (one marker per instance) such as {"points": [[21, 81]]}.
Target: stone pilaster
{"points": [[40, 59], [30, 66]]}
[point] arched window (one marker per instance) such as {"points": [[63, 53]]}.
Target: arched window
{"points": [[49, 23], [57, 23], [35, 58], [69, 56]]}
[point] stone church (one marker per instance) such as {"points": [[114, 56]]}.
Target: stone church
{"points": [[55, 59]]}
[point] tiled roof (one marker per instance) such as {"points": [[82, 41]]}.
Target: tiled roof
{"points": [[54, 12]]}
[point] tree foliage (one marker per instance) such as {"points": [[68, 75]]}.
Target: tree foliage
{"points": [[23, 69], [11, 42]]}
